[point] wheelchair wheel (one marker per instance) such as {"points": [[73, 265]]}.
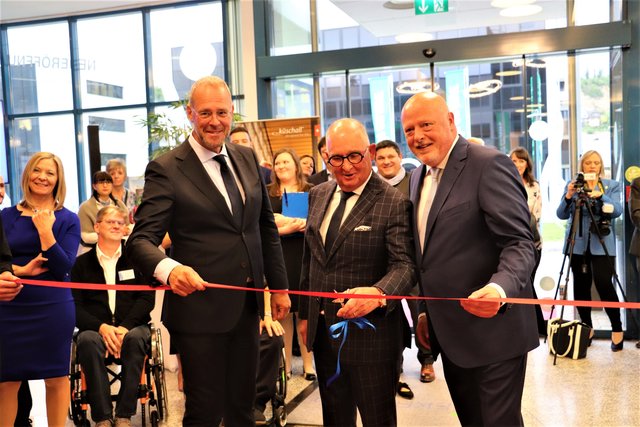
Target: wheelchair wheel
{"points": [[157, 369], [77, 408], [280, 416], [155, 419]]}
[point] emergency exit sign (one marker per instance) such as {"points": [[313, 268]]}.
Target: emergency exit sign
{"points": [[427, 7]]}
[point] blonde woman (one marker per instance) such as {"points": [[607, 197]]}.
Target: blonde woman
{"points": [[37, 325]]}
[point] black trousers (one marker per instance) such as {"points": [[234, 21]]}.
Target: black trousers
{"points": [[219, 372], [268, 364], [370, 388], [24, 405], [488, 395]]}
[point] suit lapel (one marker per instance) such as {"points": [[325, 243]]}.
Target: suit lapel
{"points": [[242, 167], [415, 188], [366, 200], [191, 167], [455, 165]]}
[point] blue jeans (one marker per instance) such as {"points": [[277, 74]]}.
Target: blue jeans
{"points": [[91, 352]]}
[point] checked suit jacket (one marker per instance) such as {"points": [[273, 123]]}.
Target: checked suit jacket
{"points": [[373, 248]]}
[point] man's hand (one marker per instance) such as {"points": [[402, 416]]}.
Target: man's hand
{"points": [[273, 327], [482, 308], [358, 307], [111, 339], [280, 305], [422, 331], [10, 286], [184, 280]]}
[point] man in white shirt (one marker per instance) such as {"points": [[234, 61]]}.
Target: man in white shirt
{"points": [[110, 322]]}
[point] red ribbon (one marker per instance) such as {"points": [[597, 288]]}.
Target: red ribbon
{"points": [[334, 295]]}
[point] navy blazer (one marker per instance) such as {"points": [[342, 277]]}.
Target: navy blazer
{"points": [[477, 233], [180, 198]]}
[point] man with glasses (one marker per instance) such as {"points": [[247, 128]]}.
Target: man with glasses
{"points": [[110, 322], [209, 196], [357, 241]]}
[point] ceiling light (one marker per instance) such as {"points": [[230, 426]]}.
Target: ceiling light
{"points": [[520, 11], [508, 73], [510, 3], [533, 63], [517, 98], [398, 4], [414, 37], [416, 86], [484, 88]]}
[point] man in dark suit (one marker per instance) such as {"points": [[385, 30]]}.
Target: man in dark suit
{"points": [[111, 322], [325, 174], [210, 198], [364, 248], [240, 135], [9, 285], [634, 214], [473, 241]]}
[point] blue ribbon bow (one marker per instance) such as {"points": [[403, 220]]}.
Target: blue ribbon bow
{"points": [[342, 328]]}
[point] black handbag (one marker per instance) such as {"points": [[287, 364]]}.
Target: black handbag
{"points": [[568, 338]]}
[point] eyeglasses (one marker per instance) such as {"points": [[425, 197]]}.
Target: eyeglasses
{"points": [[207, 114], [354, 158], [113, 223]]}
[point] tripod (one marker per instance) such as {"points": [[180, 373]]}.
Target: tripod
{"points": [[583, 200]]}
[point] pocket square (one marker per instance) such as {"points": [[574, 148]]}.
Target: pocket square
{"points": [[363, 228]]}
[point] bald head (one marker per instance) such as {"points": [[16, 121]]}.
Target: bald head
{"points": [[349, 148], [429, 127]]}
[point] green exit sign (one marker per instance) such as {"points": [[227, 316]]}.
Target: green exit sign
{"points": [[427, 7]]}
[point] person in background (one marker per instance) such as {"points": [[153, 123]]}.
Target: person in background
{"points": [[240, 135], [475, 140], [36, 327], [4, 199], [111, 322], [389, 163], [589, 261], [102, 196], [308, 165], [358, 241], [209, 196], [634, 214], [325, 174], [118, 171], [521, 158], [473, 242], [288, 178]]}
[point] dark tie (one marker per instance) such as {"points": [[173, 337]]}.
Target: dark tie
{"points": [[336, 219], [232, 189]]}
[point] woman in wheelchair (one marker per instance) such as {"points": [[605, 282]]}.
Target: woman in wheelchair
{"points": [[111, 323]]}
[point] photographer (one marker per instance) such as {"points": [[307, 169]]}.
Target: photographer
{"points": [[589, 262]]}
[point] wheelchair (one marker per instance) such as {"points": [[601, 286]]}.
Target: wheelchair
{"points": [[278, 409], [152, 390]]}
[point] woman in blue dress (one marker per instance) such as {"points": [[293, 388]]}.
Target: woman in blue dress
{"points": [[36, 327]]}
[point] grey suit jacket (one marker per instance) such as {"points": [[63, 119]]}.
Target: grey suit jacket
{"points": [[373, 248], [477, 233], [179, 198], [634, 213]]}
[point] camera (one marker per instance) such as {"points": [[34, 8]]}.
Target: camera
{"points": [[429, 52], [580, 183], [603, 211]]}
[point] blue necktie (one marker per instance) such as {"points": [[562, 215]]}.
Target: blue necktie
{"points": [[232, 189]]}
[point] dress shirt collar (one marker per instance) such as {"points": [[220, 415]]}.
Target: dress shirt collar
{"points": [[203, 153], [358, 190], [102, 256]]}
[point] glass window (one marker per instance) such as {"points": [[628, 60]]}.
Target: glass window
{"points": [[122, 136], [54, 134], [40, 68], [111, 60], [293, 97], [290, 27], [178, 58]]}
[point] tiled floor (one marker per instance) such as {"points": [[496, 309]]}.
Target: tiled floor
{"points": [[601, 390]]}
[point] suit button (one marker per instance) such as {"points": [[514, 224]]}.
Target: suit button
{"points": [[243, 264]]}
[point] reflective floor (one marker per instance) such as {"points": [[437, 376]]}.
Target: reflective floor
{"points": [[601, 390]]}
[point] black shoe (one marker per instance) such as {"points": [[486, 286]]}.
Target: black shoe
{"points": [[309, 376], [404, 390], [617, 347]]}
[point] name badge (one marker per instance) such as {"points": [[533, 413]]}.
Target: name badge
{"points": [[126, 275]]}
